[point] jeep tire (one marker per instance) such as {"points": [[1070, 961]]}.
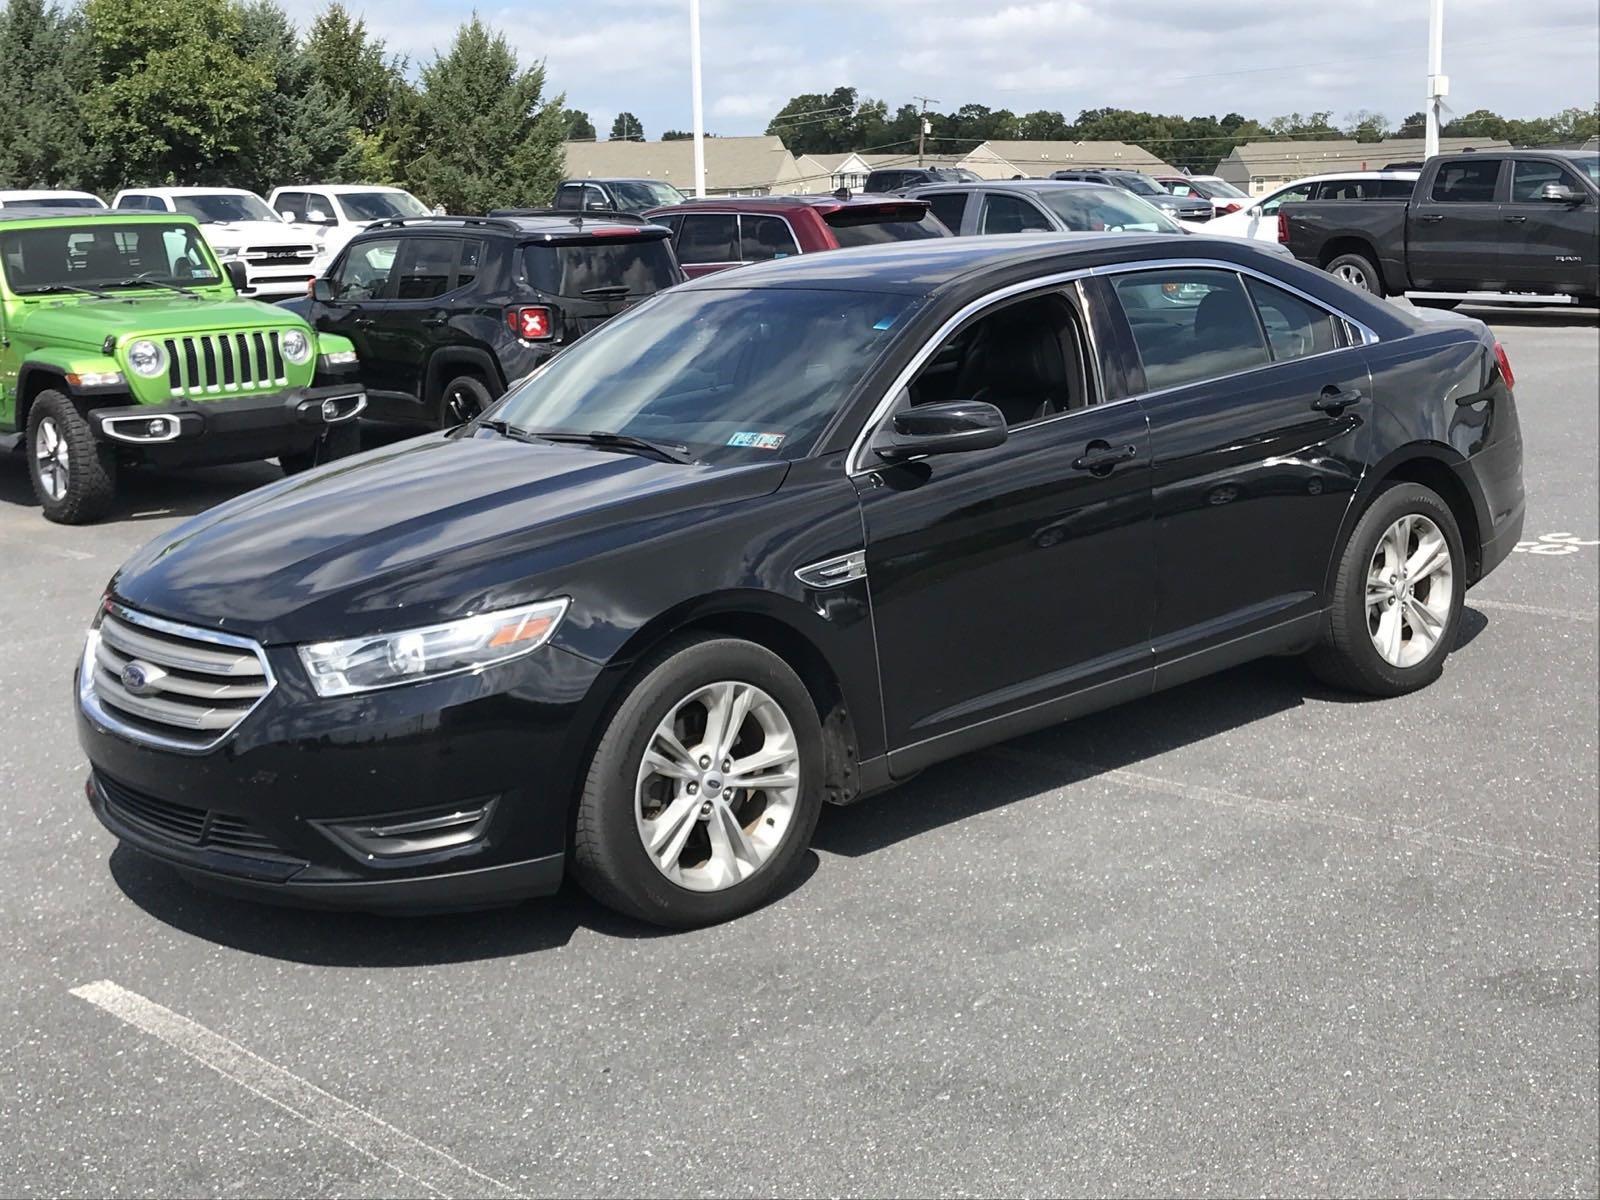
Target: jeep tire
{"points": [[74, 476]]}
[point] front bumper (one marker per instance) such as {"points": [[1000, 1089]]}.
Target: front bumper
{"points": [[227, 429], [268, 812]]}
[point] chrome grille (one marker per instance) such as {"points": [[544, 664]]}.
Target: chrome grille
{"points": [[170, 685], [215, 364], [279, 256]]}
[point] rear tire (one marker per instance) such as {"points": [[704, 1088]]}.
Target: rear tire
{"points": [[717, 849], [340, 441], [1358, 271], [74, 476], [463, 398], [1397, 596]]}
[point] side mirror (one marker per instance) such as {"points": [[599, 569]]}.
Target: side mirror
{"points": [[317, 217], [238, 274], [948, 428], [1558, 193], [289, 215], [1255, 210], [322, 291]]}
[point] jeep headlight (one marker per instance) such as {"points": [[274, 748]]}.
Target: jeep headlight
{"points": [[147, 358], [296, 346], [386, 660]]}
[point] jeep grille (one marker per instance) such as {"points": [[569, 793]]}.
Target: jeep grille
{"points": [[216, 364]]}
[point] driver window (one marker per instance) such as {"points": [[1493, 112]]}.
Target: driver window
{"points": [[319, 210], [1290, 196], [1027, 359], [364, 272]]}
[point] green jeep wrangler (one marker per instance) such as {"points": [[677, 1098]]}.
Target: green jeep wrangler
{"points": [[122, 341]]}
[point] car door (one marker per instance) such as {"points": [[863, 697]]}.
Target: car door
{"points": [[361, 282], [1550, 245], [1012, 583], [1260, 407], [1454, 237], [415, 321]]}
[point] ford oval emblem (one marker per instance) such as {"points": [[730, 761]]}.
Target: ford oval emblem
{"points": [[136, 678]]}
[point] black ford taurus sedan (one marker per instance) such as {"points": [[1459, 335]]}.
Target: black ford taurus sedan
{"points": [[782, 537]]}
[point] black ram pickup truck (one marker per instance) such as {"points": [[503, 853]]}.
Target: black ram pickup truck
{"points": [[1508, 222]]}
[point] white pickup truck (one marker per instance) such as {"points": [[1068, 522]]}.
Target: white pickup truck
{"points": [[279, 261], [333, 213]]}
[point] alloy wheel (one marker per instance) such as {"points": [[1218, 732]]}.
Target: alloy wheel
{"points": [[463, 406], [717, 786], [1410, 590], [1353, 275], [51, 456]]}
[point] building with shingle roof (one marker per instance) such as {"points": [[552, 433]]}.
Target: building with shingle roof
{"points": [[1259, 167]]}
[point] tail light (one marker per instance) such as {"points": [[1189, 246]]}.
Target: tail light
{"points": [[531, 323], [1505, 366], [1283, 228]]}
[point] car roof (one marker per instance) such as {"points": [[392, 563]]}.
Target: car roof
{"points": [[1337, 175], [822, 201], [1003, 185], [187, 191], [548, 226], [118, 216], [618, 179], [337, 189], [43, 193]]}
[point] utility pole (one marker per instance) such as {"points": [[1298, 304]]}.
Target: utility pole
{"points": [[699, 125], [922, 124], [1438, 81]]}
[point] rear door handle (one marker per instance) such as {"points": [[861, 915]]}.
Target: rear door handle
{"points": [[1515, 220], [1430, 218], [361, 322], [1100, 457], [1335, 400], [435, 320]]}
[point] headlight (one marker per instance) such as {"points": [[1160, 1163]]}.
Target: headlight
{"points": [[339, 358], [224, 251], [147, 359], [384, 660], [296, 346]]}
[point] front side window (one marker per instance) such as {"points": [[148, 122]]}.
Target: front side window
{"points": [[210, 207], [762, 239], [1011, 214], [104, 256], [1191, 325], [364, 272], [1469, 181], [319, 210], [1295, 328], [733, 375], [291, 206], [1287, 196], [708, 238], [1528, 180]]}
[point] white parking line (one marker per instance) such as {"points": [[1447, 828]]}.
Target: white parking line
{"points": [[431, 1168], [1536, 610]]}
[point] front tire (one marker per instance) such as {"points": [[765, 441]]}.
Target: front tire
{"points": [[1397, 596], [463, 398], [74, 476], [1359, 271], [705, 788]]}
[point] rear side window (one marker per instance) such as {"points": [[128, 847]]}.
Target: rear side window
{"points": [[471, 263], [866, 227], [764, 238], [1346, 189], [1529, 178], [1010, 214], [596, 269], [1396, 189], [1191, 325], [709, 238], [949, 208], [1295, 327], [1470, 181]]}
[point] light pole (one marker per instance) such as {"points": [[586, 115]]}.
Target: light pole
{"points": [[699, 125], [1438, 81]]}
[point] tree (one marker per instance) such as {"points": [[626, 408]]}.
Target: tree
{"points": [[1367, 126], [41, 136], [173, 100], [481, 134], [579, 127], [353, 67], [679, 135], [626, 128], [1414, 126]]}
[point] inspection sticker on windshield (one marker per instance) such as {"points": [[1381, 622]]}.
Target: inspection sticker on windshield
{"points": [[757, 441]]}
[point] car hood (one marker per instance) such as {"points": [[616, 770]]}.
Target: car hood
{"points": [[254, 233], [419, 532], [89, 321]]}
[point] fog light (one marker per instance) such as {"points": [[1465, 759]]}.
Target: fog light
{"points": [[397, 835], [330, 410]]}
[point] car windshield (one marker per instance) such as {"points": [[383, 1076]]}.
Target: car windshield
{"points": [[1105, 209], [105, 254], [381, 206], [733, 374], [953, 175], [638, 195], [211, 207], [641, 267], [1589, 164], [1217, 189], [869, 226], [1139, 185]]}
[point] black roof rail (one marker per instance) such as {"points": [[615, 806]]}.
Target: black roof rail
{"points": [[492, 221], [577, 216]]}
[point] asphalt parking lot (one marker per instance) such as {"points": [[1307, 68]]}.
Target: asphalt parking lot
{"points": [[1247, 936]]}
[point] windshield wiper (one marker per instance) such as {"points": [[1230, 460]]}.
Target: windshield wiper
{"points": [[147, 281], [610, 289], [57, 288], [506, 429], [626, 442]]}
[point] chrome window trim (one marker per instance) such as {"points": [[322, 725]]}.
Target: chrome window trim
{"points": [[89, 702]]}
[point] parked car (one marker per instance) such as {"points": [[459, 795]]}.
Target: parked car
{"points": [[278, 260], [123, 341], [444, 312], [1185, 208], [703, 572], [1224, 197], [333, 213], [1259, 222], [895, 179], [618, 195], [713, 235], [50, 198], [1041, 205], [1503, 222]]}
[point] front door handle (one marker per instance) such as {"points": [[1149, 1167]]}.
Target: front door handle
{"points": [[361, 322], [1335, 400], [1100, 457], [1515, 220], [1430, 218], [435, 320]]}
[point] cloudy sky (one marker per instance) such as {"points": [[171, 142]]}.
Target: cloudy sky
{"points": [[1257, 57]]}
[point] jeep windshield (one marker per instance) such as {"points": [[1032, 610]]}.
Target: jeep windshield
{"points": [[215, 207], [730, 375], [105, 254], [382, 206], [620, 267]]}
